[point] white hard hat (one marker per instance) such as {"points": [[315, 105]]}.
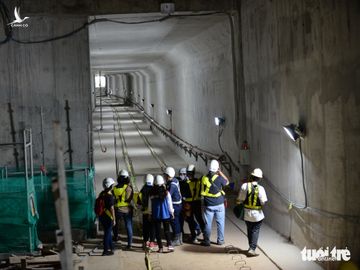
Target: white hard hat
{"points": [[159, 180], [108, 182], [214, 166], [124, 173], [191, 168], [182, 170], [257, 173], [170, 172], [149, 179]]}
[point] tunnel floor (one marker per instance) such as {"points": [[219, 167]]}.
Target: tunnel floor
{"points": [[142, 151]]}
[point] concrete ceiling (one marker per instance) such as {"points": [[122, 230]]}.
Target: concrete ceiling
{"points": [[124, 47]]}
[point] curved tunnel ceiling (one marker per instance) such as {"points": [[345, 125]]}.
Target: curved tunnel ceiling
{"points": [[121, 48]]}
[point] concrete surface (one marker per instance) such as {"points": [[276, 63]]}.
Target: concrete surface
{"points": [[273, 246], [280, 62]]}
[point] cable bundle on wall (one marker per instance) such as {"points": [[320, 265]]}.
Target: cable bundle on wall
{"points": [[5, 18]]}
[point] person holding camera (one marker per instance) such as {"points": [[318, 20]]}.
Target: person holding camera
{"points": [[213, 195]]}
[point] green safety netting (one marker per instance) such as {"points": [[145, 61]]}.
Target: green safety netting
{"points": [[18, 215], [81, 195]]}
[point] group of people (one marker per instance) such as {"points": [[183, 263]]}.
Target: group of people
{"points": [[168, 201]]}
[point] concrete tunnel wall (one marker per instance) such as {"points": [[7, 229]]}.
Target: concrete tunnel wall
{"points": [[195, 80], [301, 62], [295, 69], [45, 75]]}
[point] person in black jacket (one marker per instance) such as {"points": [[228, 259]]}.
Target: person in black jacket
{"points": [[143, 202], [107, 219]]}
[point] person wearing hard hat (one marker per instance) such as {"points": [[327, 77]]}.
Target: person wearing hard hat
{"points": [[143, 202], [107, 218], [185, 192], [123, 193], [173, 187], [214, 196], [195, 202], [161, 211], [253, 196]]}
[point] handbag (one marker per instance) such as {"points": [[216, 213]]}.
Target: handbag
{"points": [[238, 211]]}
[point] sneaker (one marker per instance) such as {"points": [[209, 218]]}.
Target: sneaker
{"points": [[220, 243], [152, 245], [115, 239], [176, 242], [128, 247], [108, 253], [171, 248], [252, 253], [195, 241], [205, 244]]}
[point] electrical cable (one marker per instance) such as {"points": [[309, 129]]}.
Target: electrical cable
{"points": [[5, 18], [8, 32], [328, 214], [288, 201], [303, 176], [94, 21], [220, 132]]}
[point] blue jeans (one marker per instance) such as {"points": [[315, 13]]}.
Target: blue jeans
{"points": [[176, 222], [107, 226], [127, 217], [253, 230], [197, 212], [219, 212]]}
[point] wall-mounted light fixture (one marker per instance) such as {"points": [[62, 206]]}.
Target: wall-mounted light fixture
{"points": [[153, 110], [294, 132], [219, 121], [169, 113]]}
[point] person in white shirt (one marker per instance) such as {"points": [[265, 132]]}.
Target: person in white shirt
{"points": [[253, 196]]}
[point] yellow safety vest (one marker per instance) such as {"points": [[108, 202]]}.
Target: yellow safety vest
{"points": [[206, 183], [252, 202], [120, 196], [194, 187]]}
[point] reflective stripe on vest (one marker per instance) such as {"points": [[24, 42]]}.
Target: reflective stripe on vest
{"points": [[194, 187], [252, 202], [107, 211], [120, 196], [177, 185], [206, 184]]}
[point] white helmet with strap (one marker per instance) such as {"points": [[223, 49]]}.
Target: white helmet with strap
{"points": [[159, 180], [123, 173], [108, 182], [170, 172], [149, 179]]}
